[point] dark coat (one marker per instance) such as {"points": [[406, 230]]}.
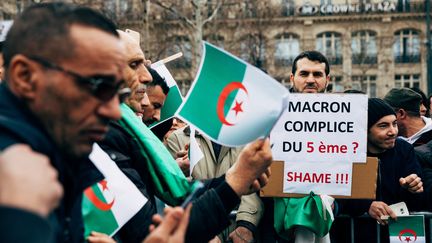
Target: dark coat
{"points": [[400, 161], [210, 211], [18, 125], [424, 155]]}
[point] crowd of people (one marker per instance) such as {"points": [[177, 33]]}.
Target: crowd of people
{"points": [[66, 71]]}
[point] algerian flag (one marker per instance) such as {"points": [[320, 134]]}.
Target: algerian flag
{"points": [[174, 97], [110, 203], [231, 101], [407, 229], [195, 153]]}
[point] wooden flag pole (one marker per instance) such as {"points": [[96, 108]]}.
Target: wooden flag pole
{"points": [[167, 59]]}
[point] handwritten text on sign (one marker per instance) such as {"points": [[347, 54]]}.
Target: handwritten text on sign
{"points": [[305, 177], [322, 127]]}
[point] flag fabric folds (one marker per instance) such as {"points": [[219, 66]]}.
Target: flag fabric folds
{"points": [[231, 101], [171, 186], [174, 97], [195, 154], [110, 203]]}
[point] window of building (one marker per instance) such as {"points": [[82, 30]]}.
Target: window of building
{"points": [[407, 80], [336, 84], [288, 7], [364, 47], [330, 44], [287, 47], [366, 83], [253, 49], [406, 47], [181, 44]]}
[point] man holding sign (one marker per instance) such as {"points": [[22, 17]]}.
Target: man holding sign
{"points": [[310, 74]]}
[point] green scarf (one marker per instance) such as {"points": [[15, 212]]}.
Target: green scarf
{"points": [[171, 186], [307, 212]]}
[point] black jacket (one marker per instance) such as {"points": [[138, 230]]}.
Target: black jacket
{"points": [[210, 211], [19, 126]]}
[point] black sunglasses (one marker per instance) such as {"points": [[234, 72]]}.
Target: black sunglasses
{"points": [[102, 87]]}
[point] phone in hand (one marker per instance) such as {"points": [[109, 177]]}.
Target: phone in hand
{"points": [[198, 189]]}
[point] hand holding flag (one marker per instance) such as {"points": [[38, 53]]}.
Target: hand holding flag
{"points": [[251, 170]]}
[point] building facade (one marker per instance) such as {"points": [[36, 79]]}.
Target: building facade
{"points": [[372, 45]]}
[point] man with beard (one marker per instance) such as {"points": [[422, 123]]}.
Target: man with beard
{"points": [[157, 92], [310, 73], [210, 211]]}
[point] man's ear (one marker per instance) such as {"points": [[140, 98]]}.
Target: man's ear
{"points": [[401, 114], [23, 77]]}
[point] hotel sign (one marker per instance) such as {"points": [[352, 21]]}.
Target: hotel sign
{"points": [[328, 9]]}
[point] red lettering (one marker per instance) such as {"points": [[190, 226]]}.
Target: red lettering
{"points": [[309, 177]]}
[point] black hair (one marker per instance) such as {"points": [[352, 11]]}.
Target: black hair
{"points": [[158, 81], [43, 30], [314, 56], [425, 101], [353, 91]]}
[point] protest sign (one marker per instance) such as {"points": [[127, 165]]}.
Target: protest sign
{"points": [[323, 178], [322, 127]]}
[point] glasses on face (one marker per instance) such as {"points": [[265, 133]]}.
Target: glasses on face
{"points": [[102, 87]]}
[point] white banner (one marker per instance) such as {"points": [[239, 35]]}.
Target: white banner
{"points": [[332, 178], [322, 127]]}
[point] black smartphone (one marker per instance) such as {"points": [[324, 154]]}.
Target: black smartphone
{"points": [[199, 186]]}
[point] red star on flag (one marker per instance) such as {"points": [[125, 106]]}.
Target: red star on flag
{"points": [[104, 183], [407, 239], [238, 107]]}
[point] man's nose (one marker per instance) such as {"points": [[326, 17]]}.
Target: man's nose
{"points": [[157, 115], [144, 75], [145, 100]]}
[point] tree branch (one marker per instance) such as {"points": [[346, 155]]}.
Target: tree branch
{"points": [[215, 11], [174, 11]]}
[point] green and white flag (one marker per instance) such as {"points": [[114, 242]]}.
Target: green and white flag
{"points": [[194, 153], [407, 229], [231, 101], [174, 98], [110, 203]]}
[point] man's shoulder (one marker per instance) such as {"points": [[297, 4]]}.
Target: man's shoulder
{"points": [[8, 139]]}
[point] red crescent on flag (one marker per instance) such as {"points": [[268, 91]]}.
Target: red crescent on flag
{"points": [[410, 231], [91, 195], [222, 99]]}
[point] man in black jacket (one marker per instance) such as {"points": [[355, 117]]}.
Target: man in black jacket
{"points": [[63, 71], [398, 172]]}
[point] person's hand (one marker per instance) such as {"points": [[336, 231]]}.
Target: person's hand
{"points": [[96, 237], [28, 181], [252, 169], [215, 240], [172, 228], [182, 160], [378, 209], [241, 235], [412, 183]]}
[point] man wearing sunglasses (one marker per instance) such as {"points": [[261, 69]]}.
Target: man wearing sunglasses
{"points": [[62, 84]]}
